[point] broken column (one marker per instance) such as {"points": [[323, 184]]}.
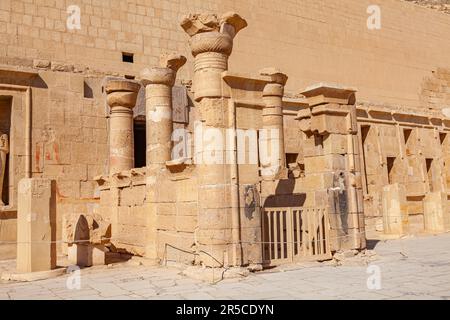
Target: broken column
{"points": [[122, 96], [332, 161], [158, 82], [395, 209], [435, 212], [272, 137], [36, 225], [211, 44]]}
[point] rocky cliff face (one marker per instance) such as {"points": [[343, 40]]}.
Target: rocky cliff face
{"points": [[440, 5]]}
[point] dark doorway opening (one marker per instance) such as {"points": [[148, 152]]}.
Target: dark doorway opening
{"points": [[140, 144], [5, 146], [406, 135], [291, 158], [364, 134], [429, 164], [390, 167]]}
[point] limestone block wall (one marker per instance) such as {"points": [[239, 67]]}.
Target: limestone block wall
{"points": [[67, 136], [436, 89], [163, 231], [335, 45]]}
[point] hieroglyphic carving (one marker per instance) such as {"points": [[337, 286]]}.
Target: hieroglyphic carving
{"points": [[47, 149]]}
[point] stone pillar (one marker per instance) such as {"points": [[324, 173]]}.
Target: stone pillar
{"points": [[395, 209], [273, 128], [436, 214], [36, 225], [158, 82], [122, 96], [211, 44], [332, 157]]}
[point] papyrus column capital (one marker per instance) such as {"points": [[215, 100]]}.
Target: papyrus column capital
{"points": [[210, 33], [122, 93], [165, 73], [276, 80]]}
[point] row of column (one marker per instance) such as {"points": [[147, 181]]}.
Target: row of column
{"points": [[121, 98], [211, 42]]}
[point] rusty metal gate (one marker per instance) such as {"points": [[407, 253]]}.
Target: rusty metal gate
{"points": [[295, 234]]}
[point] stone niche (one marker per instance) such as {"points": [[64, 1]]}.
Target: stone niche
{"points": [[15, 149]]}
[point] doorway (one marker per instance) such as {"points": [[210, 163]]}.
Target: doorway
{"points": [[5, 138], [140, 143]]}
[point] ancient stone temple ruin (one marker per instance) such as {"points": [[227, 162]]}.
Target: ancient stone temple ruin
{"points": [[186, 158]]}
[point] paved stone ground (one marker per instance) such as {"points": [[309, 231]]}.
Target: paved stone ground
{"points": [[413, 268]]}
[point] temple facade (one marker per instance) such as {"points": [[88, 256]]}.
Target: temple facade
{"points": [[184, 156]]}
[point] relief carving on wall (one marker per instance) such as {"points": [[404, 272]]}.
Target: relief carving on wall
{"points": [[47, 149]]}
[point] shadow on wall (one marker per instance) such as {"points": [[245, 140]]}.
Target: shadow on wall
{"points": [[284, 196]]}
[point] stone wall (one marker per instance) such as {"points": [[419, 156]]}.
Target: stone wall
{"points": [[405, 148], [324, 40], [436, 89]]}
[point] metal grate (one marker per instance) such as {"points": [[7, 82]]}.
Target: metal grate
{"points": [[295, 234]]}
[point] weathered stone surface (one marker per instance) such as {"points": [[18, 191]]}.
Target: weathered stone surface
{"points": [[36, 225]]}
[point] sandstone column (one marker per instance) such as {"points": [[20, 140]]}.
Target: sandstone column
{"points": [[36, 225], [211, 44], [332, 161], [122, 96], [158, 82], [273, 128]]}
